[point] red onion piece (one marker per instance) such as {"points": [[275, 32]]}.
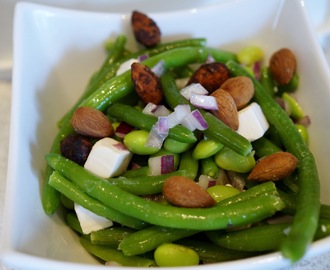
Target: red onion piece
{"points": [[194, 88], [159, 68], [161, 164], [123, 129], [257, 69], [205, 181], [305, 121], [210, 59], [143, 57], [195, 120], [156, 110], [158, 133], [176, 117], [203, 101]]}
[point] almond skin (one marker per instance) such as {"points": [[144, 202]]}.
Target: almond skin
{"points": [[146, 84], [241, 89], [145, 29], [274, 167], [282, 66], [184, 192], [227, 112], [91, 122], [210, 75]]}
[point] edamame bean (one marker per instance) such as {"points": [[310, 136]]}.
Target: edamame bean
{"points": [[136, 140], [175, 255], [206, 148], [229, 160], [220, 192], [296, 111], [249, 55], [209, 167], [175, 146]]}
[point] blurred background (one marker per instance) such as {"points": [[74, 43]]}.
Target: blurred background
{"points": [[318, 10]]}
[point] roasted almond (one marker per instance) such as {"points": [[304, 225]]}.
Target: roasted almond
{"points": [[241, 89], [91, 122], [282, 66], [274, 167], [227, 112], [184, 192], [146, 84], [210, 75], [145, 29]]}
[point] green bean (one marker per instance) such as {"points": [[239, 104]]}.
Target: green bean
{"points": [[255, 209], [325, 211], [216, 130], [138, 119], [70, 190], [110, 237], [136, 142], [209, 167], [224, 215], [112, 255], [145, 185], [258, 238], [142, 171], [264, 147], [308, 202], [73, 222], [189, 164], [211, 253], [113, 90], [267, 81], [150, 238], [66, 202]]}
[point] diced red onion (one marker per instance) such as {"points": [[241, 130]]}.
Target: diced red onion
{"points": [[123, 129], [205, 181], [158, 133], [282, 219], [195, 120], [305, 121], [210, 59], [143, 57], [193, 88], [159, 68], [257, 69], [161, 164], [156, 110], [203, 101], [176, 117], [236, 180], [126, 66]]}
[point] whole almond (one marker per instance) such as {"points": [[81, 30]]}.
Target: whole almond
{"points": [[241, 88], [210, 75], [146, 84], [227, 112], [282, 66], [184, 192], [145, 29], [91, 122], [274, 167]]}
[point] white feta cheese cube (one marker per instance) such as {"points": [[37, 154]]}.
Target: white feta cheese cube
{"points": [[126, 66], [89, 221], [108, 158], [252, 122]]}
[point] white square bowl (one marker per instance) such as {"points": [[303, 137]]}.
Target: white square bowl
{"points": [[55, 53]]}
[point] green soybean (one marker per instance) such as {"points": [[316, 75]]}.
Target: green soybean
{"points": [[175, 255], [229, 160], [206, 148], [189, 164], [175, 146], [136, 141], [219, 192], [248, 55]]}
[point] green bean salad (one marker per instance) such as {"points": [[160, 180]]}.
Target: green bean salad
{"points": [[180, 154]]}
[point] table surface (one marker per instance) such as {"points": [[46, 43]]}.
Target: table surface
{"points": [[321, 262]]}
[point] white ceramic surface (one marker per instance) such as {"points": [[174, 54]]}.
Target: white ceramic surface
{"points": [[55, 53]]}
